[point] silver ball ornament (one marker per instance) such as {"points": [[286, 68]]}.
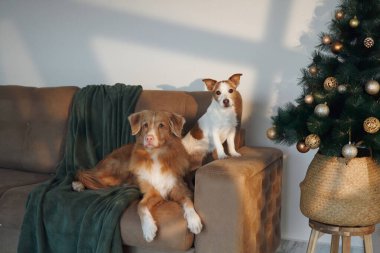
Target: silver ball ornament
{"points": [[309, 99], [372, 87], [342, 88], [349, 151], [322, 110]]}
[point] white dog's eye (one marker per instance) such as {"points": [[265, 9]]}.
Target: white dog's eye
{"points": [[218, 92], [230, 90]]}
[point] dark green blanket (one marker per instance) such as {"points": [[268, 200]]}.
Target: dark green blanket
{"points": [[59, 220]]}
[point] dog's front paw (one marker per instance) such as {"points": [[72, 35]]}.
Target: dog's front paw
{"points": [[149, 229], [77, 186], [235, 154], [194, 223]]}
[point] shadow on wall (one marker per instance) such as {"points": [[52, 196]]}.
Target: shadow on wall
{"points": [[65, 53]]}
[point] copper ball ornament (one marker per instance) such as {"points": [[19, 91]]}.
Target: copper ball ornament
{"points": [[369, 42], [312, 141], [372, 87], [322, 110], [330, 83], [301, 147], [354, 22], [349, 151], [309, 99], [336, 47], [326, 39], [271, 133], [313, 70], [371, 125], [339, 14]]}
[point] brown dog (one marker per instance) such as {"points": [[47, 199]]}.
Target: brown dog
{"points": [[157, 161]]}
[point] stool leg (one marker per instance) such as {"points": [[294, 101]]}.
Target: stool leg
{"points": [[312, 241], [346, 246], [334, 248], [368, 244]]}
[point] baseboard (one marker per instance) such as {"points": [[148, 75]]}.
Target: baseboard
{"points": [[290, 246]]}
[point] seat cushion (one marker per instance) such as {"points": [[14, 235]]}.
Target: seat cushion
{"points": [[14, 178], [173, 233], [12, 206]]}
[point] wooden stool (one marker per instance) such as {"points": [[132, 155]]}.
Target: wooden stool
{"points": [[319, 229]]}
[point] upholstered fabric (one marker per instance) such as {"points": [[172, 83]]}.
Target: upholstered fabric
{"points": [[173, 233], [32, 126], [239, 201]]}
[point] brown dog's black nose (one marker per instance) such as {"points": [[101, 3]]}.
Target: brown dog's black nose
{"points": [[226, 102]]}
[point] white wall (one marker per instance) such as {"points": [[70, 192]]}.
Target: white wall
{"points": [[171, 44]]}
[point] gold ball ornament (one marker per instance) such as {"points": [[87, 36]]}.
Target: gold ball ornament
{"points": [[271, 133], [372, 87], [309, 99], [349, 151], [301, 147], [371, 125], [336, 47], [326, 39], [339, 14], [313, 70], [312, 141], [330, 83], [354, 22], [369, 42]]}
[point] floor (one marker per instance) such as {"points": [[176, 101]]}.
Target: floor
{"points": [[301, 247]]}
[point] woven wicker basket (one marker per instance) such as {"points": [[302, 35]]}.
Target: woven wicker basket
{"points": [[342, 192]]}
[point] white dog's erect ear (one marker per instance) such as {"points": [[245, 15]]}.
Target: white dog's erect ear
{"points": [[134, 120], [210, 83], [235, 78], [176, 123]]}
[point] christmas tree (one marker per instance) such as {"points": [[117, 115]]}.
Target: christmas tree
{"points": [[339, 108]]}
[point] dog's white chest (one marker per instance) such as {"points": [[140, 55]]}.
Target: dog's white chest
{"points": [[162, 182]]}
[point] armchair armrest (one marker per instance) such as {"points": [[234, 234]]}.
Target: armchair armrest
{"points": [[239, 202]]}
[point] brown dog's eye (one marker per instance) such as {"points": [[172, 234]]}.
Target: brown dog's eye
{"points": [[230, 90], [160, 125], [145, 125], [218, 92]]}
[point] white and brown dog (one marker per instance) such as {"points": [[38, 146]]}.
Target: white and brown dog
{"points": [[158, 162], [219, 122]]}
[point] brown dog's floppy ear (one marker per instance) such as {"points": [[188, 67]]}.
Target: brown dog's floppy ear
{"points": [[210, 83], [176, 123], [235, 78], [135, 122]]}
